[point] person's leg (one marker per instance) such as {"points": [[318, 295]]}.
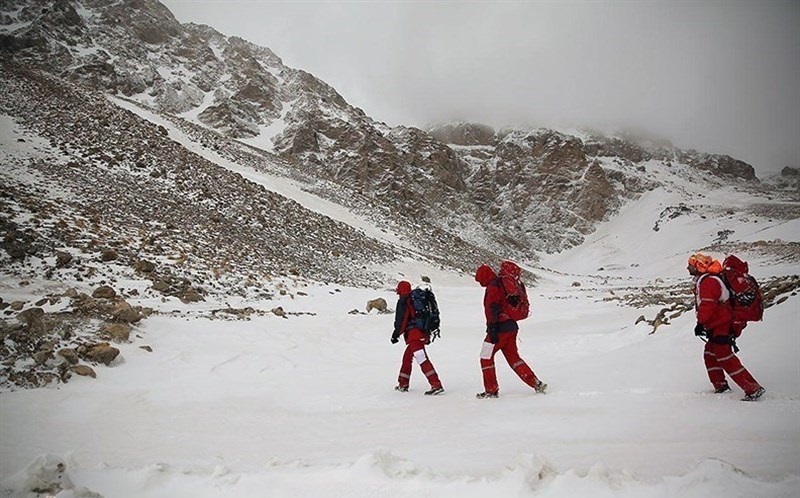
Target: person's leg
{"points": [[730, 363], [487, 366], [714, 370], [416, 341], [404, 377], [508, 346]]}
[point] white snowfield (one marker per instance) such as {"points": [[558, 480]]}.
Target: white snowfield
{"points": [[305, 406]]}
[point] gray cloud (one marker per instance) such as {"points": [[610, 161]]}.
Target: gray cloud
{"points": [[718, 76]]}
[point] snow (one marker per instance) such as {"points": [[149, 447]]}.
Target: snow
{"points": [[629, 242], [208, 99], [267, 134], [218, 50], [305, 406]]}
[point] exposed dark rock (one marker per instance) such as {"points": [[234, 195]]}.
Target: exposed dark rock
{"points": [[69, 355], [99, 353], [83, 370], [116, 332], [63, 259], [104, 292]]}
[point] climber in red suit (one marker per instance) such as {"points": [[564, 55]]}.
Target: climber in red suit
{"points": [[501, 335], [415, 339], [715, 323]]}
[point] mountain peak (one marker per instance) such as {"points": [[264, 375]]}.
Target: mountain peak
{"points": [[475, 191]]}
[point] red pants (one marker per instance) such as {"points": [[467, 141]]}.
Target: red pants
{"points": [[507, 344], [415, 350], [720, 359]]}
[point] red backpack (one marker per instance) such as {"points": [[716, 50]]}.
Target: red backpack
{"points": [[746, 301], [516, 305]]}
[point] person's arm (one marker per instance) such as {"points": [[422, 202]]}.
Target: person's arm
{"points": [[400, 318], [709, 312]]}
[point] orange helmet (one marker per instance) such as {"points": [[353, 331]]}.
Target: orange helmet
{"points": [[705, 264]]}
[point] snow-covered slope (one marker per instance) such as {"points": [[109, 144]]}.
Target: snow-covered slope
{"points": [[652, 236], [272, 406]]}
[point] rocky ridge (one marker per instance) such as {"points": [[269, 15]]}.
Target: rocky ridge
{"points": [[151, 199], [524, 190]]}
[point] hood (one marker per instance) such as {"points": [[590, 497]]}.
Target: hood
{"points": [[403, 288], [484, 275]]}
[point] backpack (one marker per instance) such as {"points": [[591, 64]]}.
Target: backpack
{"points": [[425, 311], [515, 305], [746, 300]]}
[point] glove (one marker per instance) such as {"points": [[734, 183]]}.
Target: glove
{"points": [[394, 340], [699, 330]]}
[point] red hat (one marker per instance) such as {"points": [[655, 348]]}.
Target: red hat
{"points": [[403, 288]]}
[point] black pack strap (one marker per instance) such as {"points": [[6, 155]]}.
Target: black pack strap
{"points": [[726, 339]]}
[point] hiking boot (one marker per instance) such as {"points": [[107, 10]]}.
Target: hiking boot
{"points": [[486, 394], [755, 395], [402, 389], [434, 391], [540, 387], [722, 389]]}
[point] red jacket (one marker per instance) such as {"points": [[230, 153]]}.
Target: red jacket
{"points": [[493, 299], [713, 309]]}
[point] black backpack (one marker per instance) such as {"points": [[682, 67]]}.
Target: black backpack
{"points": [[425, 311]]}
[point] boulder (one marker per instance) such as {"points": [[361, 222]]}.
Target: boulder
{"points": [[101, 353], [190, 295], [377, 304], [123, 312], [63, 259], [104, 292], [33, 318], [116, 332], [69, 355], [109, 255], [144, 266], [83, 370], [41, 357]]}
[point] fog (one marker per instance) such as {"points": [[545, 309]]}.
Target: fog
{"points": [[720, 77]]}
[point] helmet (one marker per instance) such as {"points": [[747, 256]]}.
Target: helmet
{"points": [[403, 288], [704, 264]]}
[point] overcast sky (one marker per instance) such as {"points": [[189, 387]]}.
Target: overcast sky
{"points": [[718, 76]]}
